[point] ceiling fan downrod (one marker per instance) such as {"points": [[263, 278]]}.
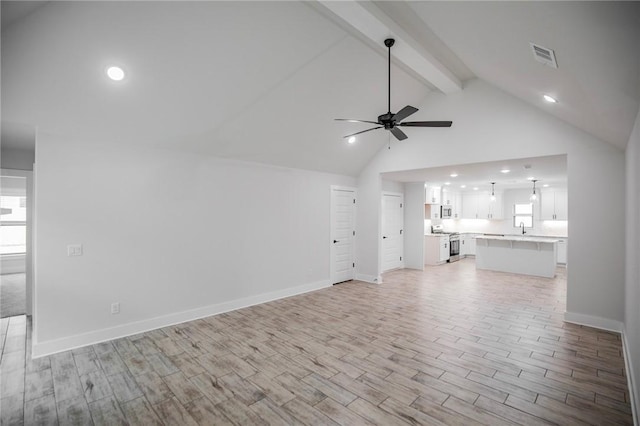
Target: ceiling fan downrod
{"points": [[389, 42]]}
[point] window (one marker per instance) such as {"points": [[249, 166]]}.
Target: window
{"points": [[13, 237], [523, 214]]}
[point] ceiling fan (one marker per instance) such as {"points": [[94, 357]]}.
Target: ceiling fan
{"points": [[391, 121]]}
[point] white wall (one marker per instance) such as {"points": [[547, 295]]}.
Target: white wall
{"points": [[490, 125], [632, 278], [413, 229], [169, 235], [17, 159]]}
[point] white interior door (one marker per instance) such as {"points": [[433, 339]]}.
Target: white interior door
{"points": [[343, 205], [392, 231]]}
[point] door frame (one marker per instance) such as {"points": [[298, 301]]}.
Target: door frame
{"points": [[381, 260], [29, 258], [332, 272]]}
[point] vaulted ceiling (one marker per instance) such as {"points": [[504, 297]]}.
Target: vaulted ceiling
{"points": [[262, 81]]}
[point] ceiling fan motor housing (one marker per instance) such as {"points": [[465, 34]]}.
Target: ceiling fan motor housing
{"points": [[386, 120]]}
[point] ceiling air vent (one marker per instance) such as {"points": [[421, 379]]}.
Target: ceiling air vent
{"points": [[544, 55]]}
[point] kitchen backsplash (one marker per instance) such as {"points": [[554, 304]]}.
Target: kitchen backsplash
{"points": [[552, 228]]}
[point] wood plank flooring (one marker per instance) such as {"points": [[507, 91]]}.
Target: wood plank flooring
{"points": [[450, 345]]}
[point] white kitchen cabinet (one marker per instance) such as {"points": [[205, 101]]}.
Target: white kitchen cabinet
{"points": [[471, 245], [453, 199], [436, 249], [561, 251], [469, 205], [432, 211], [554, 204], [463, 245], [496, 208], [456, 207], [478, 205], [484, 205], [432, 194]]}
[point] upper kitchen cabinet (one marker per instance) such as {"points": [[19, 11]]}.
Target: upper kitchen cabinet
{"points": [[496, 207], [470, 205], [432, 194], [554, 204], [454, 200], [478, 205]]}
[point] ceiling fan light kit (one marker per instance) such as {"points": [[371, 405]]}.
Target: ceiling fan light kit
{"points": [[390, 121]]}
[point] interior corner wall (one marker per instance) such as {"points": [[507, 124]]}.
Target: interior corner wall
{"points": [[632, 252], [490, 125], [17, 159], [171, 236]]}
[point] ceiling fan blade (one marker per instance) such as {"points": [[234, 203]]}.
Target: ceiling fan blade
{"points": [[399, 134], [350, 120], [368, 130], [426, 124], [404, 113]]}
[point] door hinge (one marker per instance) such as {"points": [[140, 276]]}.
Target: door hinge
{"points": [[400, 205], [354, 201], [400, 257], [354, 233], [401, 232], [354, 265]]}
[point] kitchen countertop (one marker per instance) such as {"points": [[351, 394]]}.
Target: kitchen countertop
{"points": [[519, 238], [559, 237]]}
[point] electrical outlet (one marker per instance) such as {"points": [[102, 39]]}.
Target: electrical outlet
{"points": [[74, 250], [115, 308]]}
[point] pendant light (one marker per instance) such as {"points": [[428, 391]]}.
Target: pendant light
{"points": [[493, 193], [534, 197]]}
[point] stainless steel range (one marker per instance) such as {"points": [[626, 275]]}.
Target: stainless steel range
{"points": [[454, 242]]}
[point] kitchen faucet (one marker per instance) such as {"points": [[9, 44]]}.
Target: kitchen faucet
{"points": [[522, 226]]}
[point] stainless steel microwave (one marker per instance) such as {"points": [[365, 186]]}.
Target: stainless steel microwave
{"points": [[446, 212]]}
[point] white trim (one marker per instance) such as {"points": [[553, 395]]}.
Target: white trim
{"points": [[50, 347], [368, 278], [628, 366], [593, 321], [332, 272]]}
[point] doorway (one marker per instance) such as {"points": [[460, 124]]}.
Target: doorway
{"points": [[14, 246], [343, 231], [392, 230]]}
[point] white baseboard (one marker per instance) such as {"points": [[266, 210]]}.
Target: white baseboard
{"points": [[372, 279], [593, 321], [634, 394], [50, 347]]}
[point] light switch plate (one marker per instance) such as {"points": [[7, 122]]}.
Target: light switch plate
{"points": [[74, 250]]}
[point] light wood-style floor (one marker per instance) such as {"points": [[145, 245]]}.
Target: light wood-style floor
{"points": [[450, 346]]}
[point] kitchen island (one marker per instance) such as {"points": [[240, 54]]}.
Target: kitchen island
{"points": [[517, 254]]}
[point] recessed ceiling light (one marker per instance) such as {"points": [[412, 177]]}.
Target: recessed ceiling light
{"points": [[453, 175], [549, 99], [447, 183], [505, 171], [115, 73], [475, 188], [463, 186], [530, 178], [546, 185], [352, 139]]}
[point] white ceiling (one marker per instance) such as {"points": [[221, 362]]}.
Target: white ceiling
{"points": [[262, 81], [550, 170], [597, 82]]}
